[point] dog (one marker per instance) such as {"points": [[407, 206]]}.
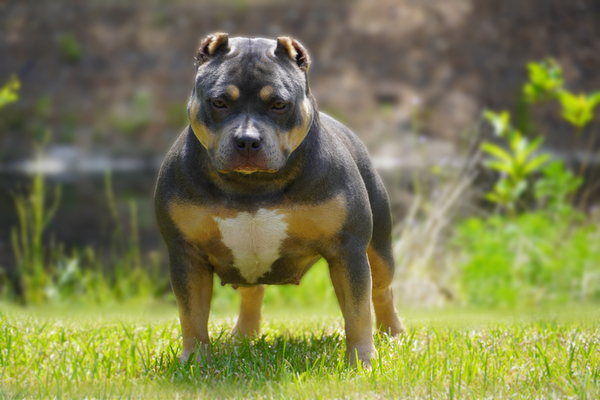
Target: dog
{"points": [[260, 186]]}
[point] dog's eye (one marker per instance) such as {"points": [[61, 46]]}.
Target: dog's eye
{"points": [[219, 105], [279, 106]]}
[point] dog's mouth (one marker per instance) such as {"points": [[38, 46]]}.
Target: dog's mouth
{"points": [[247, 168]]}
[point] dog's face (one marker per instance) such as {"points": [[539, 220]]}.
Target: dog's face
{"points": [[250, 106]]}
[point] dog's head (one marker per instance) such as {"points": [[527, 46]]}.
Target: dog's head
{"points": [[250, 106]]}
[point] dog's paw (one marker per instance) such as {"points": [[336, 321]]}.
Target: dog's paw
{"points": [[392, 327], [362, 355], [246, 328], [200, 354]]}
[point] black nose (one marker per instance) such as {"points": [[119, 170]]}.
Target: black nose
{"points": [[247, 143]]}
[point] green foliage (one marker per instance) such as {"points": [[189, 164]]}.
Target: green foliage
{"points": [[534, 258], [538, 256], [69, 47], [545, 81], [515, 165], [578, 109], [500, 123], [553, 189], [9, 92]]}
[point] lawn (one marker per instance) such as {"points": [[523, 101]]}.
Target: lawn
{"points": [[131, 353]]}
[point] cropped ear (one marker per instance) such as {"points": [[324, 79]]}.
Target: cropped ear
{"points": [[288, 47], [216, 42]]}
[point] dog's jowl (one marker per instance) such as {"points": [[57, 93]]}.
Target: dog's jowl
{"points": [[261, 185]]}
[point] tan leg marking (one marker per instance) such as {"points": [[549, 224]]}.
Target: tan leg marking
{"points": [[248, 322], [357, 318], [233, 92], [266, 92], [386, 316], [194, 316]]}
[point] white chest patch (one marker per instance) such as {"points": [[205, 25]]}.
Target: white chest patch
{"points": [[254, 240]]}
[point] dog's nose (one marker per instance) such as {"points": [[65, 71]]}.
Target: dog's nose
{"points": [[247, 143]]}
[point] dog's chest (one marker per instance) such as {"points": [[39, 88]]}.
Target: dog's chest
{"points": [[254, 241]]}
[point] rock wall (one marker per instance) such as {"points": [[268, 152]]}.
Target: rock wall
{"points": [[116, 75]]}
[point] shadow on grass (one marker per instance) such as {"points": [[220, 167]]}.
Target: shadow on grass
{"points": [[254, 361]]}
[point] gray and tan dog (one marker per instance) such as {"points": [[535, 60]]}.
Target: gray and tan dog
{"points": [[261, 185]]}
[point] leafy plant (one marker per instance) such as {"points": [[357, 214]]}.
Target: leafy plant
{"points": [[553, 189], [9, 92], [545, 81], [578, 109], [514, 164]]}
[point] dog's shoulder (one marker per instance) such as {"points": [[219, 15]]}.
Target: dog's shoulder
{"points": [[342, 135]]}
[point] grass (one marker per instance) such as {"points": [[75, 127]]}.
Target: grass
{"points": [[123, 354]]}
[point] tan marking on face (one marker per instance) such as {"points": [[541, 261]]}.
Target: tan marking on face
{"points": [[316, 222], [296, 135], [233, 92], [266, 92], [201, 131]]}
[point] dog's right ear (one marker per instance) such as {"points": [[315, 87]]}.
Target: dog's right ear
{"points": [[211, 45]]}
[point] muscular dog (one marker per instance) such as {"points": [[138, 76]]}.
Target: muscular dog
{"points": [[261, 185]]}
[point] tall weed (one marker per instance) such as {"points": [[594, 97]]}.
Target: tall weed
{"points": [[48, 274]]}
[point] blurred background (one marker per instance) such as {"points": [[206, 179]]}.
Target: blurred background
{"points": [[102, 94]]}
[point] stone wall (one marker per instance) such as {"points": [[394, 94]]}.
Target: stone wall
{"points": [[116, 75]]}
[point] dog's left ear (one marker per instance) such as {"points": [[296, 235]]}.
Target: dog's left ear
{"points": [[211, 45], [288, 47]]}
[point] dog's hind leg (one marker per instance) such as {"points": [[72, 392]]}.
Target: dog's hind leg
{"points": [[382, 273], [248, 322]]}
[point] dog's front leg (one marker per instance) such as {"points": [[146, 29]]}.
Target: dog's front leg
{"points": [[351, 280], [192, 283]]}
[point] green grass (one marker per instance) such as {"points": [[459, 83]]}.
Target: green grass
{"points": [[113, 354]]}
